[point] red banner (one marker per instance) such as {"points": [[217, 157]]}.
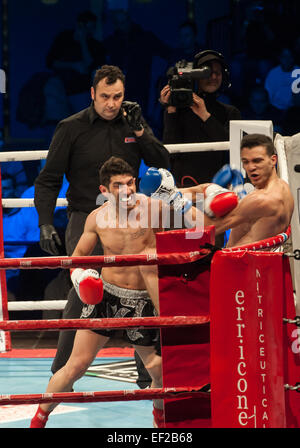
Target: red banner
{"points": [[246, 307]]}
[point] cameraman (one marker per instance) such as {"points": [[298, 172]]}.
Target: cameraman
{"points": [[79, 147], [203, 119]]}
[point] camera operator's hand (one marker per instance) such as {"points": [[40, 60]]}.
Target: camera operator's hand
{"points": [[164, 99], [49, 239], [199, 107], [133, 114]]}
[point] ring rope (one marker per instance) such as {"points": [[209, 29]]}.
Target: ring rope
{"points": [[21, 156], [37, 305], [103, 260], [133, 259], [28, 202], [263, 244], [105, 323], [60, 304], [114, 395]]}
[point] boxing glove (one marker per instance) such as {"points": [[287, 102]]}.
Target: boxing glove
{"points": [[219, 201], [228, 175], [159, 183], [88, 285], [237, 184], [223, 177]]}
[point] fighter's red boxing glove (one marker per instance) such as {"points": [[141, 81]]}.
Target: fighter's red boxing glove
{"points": [[88, 285], [219, 201]]}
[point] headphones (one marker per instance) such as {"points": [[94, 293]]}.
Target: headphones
{"points": [[206, 56]]}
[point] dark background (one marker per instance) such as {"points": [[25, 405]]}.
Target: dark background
{"points": [[29, 27]]}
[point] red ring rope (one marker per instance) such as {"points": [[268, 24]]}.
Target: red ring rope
{"points": [[103, 260], [263, 244], [131, 259], [107, 323], [115, 395]]}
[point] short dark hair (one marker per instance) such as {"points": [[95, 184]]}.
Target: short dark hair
{"points": [[111, 72], [114, 167], [252, 140]]}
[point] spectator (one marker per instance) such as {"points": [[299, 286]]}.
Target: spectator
{"points": [[42, 103], [257, 38], [80, 145], [188, 44], [20, 229], [187, 47], [206, 120], [16, 172], [16, 229], [132, 49], [75, 54], [50, 96], [279, 81], [259, 108]]}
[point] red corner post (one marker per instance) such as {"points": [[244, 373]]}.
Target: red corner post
{"points": [[184, 291]]}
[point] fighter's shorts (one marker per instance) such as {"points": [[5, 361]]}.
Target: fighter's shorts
{"points": [[122, 302]]}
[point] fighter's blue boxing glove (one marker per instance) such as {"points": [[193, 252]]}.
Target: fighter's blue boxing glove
{"points": [[237, 183], [223, 177], [159, 183], [228, 175]]}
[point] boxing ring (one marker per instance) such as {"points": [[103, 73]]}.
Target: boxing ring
{"points": [[228, 324]]}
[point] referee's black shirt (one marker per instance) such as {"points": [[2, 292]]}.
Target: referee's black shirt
{"points": [[80, 145]]}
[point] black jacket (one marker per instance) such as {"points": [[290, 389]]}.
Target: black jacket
{"points": [[80, 145], [184, 126]]}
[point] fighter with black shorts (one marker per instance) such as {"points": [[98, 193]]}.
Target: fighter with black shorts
{"points": [[122, 302]]}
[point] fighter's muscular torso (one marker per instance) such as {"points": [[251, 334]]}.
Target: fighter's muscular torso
{"points": [[263, 213], [123, 236], [266, 212]]}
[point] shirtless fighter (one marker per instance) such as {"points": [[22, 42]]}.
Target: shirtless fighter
{"points": [[125, 225], [264, 212], [121, 290]]}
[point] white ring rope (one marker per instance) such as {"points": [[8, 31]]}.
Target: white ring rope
{"points": [[28, 202], [197, 147], [36, 305], [20, 156]]}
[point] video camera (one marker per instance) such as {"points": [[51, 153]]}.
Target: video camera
{"points": [[181, 80]]}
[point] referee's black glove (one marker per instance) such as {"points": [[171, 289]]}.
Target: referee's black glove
{"points": [[133, 114], [49, 239]]}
